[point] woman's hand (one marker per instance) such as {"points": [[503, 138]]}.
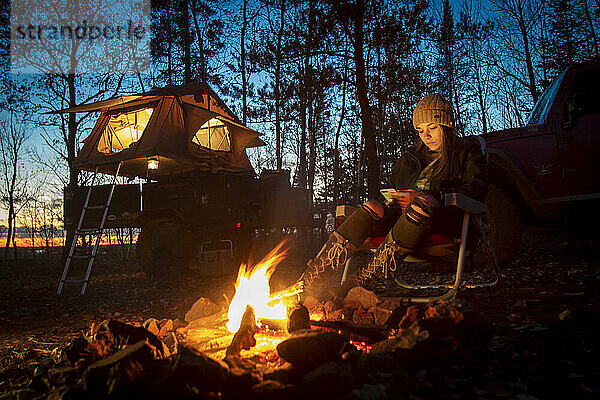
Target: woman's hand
{"points": [[403, 198]]}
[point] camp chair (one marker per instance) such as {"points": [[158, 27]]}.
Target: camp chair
{"points": [[438, 247]]}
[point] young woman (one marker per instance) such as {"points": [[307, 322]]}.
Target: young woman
{"points": [[440, 163]]}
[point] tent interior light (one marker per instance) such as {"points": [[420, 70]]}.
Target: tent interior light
{"points": [[153, 163]]}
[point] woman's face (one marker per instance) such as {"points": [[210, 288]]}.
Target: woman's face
{"points": [[431, 134]]}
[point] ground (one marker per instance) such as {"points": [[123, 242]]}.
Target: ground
{"points": [[545, 319]]}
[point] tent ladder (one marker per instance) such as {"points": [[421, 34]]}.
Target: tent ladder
{"points": [[81, 233]]}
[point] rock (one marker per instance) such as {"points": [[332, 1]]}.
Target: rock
{"points": [[445, 308], [394, 320], [310, 302], [359, 296], [124, 333], [298, 318], [311, 348], [405, 340], [275, 390], [122, 373], [337, 314], [240, 380], [194, 368], [329, 380], [371, 362], [380, 314], [363, 318], [171, 343], [438, 327], [413, 314], [165, 326], [203, 307], [151, 324], [74, 351], [368, 392]]}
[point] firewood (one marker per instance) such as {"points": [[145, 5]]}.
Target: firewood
{"points": [[373, 332], [244, 337]]}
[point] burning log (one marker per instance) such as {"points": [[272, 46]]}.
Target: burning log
{"points": [[372, 332], [244, 337]]}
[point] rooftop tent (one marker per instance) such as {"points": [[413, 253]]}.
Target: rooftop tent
{"points": [[181, 128]]}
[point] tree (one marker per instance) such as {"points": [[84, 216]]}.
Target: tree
{"points": [[13, 137], [568, 40], [519, 21]]}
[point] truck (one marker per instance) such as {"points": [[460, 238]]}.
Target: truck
{"points": [[541, 170], [197, 201]]}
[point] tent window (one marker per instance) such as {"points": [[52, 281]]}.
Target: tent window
{"points": [[214, 135], [123, 130]]}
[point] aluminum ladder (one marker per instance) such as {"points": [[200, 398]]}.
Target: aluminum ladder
{"points": [[81, 233]]}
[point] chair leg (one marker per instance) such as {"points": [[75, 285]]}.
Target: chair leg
{"points": [[458, 284], [461, 253]]}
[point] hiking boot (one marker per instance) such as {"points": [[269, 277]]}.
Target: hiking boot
{"points": [[320, 272], [384, 262]]}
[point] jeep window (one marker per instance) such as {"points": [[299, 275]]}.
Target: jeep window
{"points": [[123, 130], [542, 107], [584, 92], [213, 135]]}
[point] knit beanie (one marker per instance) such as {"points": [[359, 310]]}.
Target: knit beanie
{"points": [[434, 108]]}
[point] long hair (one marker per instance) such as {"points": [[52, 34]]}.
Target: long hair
{"points": [[447, 166]]}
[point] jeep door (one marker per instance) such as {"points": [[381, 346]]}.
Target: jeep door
{"points": [[578, 132]]}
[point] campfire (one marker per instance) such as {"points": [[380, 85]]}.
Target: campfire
{"points": [[259, 345], [252, 289]]}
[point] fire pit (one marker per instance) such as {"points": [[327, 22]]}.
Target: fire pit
{"points": [[261, 347]]}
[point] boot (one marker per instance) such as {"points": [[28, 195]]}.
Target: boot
{"points": [[329, 259], [384, 261]]}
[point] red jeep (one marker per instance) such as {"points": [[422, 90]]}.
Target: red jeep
{"points": [[539, 169]]}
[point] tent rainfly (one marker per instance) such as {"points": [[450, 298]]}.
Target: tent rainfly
{"points": [[173, 129]]}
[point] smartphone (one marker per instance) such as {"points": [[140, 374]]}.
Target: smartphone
{"points": [[386, 193]]}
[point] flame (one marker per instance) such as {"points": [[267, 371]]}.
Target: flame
{"points": [[252, 288]]}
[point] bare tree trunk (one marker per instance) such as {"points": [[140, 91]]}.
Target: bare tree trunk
{"points": [[71, 146], [278, 61], [527, 52], [359, 168], [480, 90], [243, 62], [366, 116], [336, 144], [202, 67], [302, 167], [187, 41], [312, 155], [592, 31]]}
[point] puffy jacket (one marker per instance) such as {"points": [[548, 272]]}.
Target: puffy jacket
{"points": [[472, 182]]}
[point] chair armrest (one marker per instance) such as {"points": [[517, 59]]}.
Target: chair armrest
{"points": [[464, 203]]}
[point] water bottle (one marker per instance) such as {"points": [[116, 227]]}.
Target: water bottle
{"points": [[330, 224]]}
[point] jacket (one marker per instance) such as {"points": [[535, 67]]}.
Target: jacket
{"points": [[472, 182]]}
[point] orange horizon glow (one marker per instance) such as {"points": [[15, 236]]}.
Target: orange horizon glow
{"points": [[24, 242]]}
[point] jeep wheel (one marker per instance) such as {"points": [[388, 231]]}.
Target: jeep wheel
{"points": [[503, 225]]}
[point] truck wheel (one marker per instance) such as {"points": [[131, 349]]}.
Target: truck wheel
{"points": [[503, 224]]}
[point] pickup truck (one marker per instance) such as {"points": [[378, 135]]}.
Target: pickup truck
{"points": [[546, 167]]}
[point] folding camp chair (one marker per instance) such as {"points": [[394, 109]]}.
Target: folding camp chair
{"points": [[436, 247]]}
